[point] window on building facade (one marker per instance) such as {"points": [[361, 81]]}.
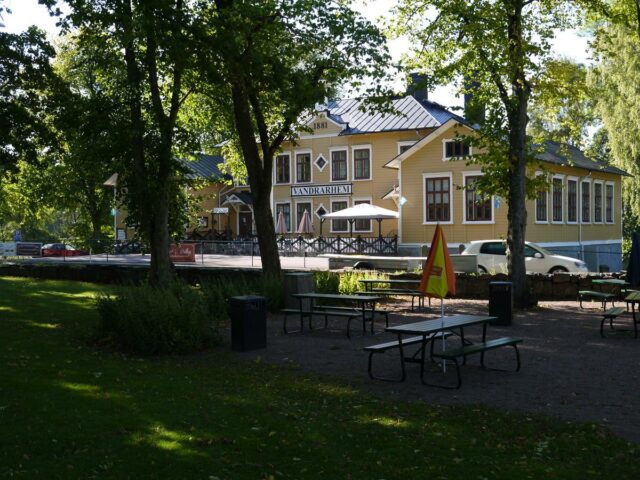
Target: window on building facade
{"points": [[456, 149], [283, 170], [404, 148], [541, 206], [608, 203], [362, 164], [338, 165], [300, 208], [438, 199], [285, 208], [572, 201], [303, 168], [556, 200], [586, 202], [478, 208], [361, 225], [597, 202], [339, 225]]}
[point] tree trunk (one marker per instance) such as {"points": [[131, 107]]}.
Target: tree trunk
{"points": [[266, 236], [517, 117], [259, 180], [161, 273]]}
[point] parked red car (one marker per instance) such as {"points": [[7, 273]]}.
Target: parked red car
{"points": [[61, 250]]}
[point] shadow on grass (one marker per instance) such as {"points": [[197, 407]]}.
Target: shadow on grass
{"points": [[70, 411]]}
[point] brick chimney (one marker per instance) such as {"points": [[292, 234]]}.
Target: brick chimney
{"points": [[419, 86]]}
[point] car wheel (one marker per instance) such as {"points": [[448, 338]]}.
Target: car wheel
{"points": [[482, 270], [558, 270]]}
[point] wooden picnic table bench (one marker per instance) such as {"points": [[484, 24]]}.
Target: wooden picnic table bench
{"points": [[593, 295], [480, 348], [610, 315], [384, 347], [366, 309], [457, 323], [394, 290]]}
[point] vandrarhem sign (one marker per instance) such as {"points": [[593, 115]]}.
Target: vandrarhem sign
{"points": [[320, 190]]}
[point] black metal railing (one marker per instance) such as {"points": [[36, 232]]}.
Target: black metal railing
{"points": [[342, 245]]}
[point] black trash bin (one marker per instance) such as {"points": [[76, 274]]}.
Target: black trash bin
{"points": [[248, 323], [501, 302]]}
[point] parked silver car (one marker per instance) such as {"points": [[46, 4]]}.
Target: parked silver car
{"points": [[492, 258]]}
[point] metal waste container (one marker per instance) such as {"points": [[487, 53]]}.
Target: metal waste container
{"points": [[248, 323], [501, 302]]}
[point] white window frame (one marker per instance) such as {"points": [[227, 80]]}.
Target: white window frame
{"points": [[578, 201], [444, 149], [326, 162], [353, 204], [331, 202], [303, 200], [424, 196], [582, 181], [337, 149], [535, 204], [294, 179], [602, 199], [556, 176], [474, 173], [275, 169], [285, 202], [405, 143], [613, 203], [353, 163]]}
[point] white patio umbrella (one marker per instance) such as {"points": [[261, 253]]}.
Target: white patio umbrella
{"points": [[281, 227], [362, 211], [305, 226]]}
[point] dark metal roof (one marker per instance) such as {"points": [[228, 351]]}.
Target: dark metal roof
{"points": [[410, 114], [565, 154], [204, 166]]}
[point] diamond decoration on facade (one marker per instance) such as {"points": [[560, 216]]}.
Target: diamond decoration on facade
{"points": [[321, 162], [320, 211]]}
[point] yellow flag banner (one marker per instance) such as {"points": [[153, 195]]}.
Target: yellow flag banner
{"points": [[438, 278]]}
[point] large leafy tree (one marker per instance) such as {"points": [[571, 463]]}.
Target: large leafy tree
{"points": [[277, 59], [496, 50], [153, 76], [562, 107], [616, 81], [25, 74]]}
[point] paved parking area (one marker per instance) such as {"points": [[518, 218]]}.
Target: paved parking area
{"points": [[225, 261]]}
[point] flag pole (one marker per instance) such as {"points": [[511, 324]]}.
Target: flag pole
{"points": [[444, 340]]}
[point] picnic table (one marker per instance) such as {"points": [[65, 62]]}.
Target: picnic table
{"points": [[427, 331], [396, 287], [365, 309], [632, 299]]}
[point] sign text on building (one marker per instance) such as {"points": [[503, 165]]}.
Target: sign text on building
{"points": [[320, 190]]}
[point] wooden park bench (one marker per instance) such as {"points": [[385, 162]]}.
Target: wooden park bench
{"points": [[480, 348], [610, 315], [327, 311], [383, 347], [398, 292], [593, 295]]}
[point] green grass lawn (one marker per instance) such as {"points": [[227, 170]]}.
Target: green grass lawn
{"points": [[69, 410]]}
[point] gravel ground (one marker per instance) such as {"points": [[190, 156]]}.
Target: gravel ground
{"points": [[568, 370]]}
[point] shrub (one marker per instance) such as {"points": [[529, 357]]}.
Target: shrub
{"points": [[326, 282], [350, 280], [150, 321], [218, 292]]}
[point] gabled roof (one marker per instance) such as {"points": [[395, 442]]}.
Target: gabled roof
{"points": [[204, 167], [565, 154], [410, 114]]}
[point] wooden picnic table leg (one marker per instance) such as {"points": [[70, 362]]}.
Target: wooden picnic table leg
{"points": [[373, 314], [402, 363], [635, 324]]}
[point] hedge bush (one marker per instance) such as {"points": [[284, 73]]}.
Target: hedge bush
{"points": [[150, 321]]}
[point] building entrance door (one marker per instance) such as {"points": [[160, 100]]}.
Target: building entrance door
{"points": [[245, 220]]}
